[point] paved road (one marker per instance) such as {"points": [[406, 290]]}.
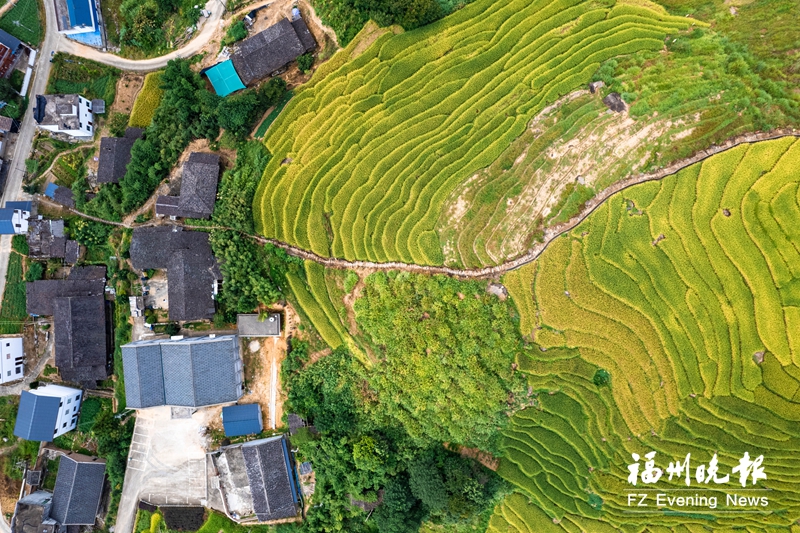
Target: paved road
{"points": [[207, 29]]}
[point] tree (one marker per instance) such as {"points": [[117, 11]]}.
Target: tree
{"points": [[117, 124], [7, 92], [400, 511], [236, 32], [35, 272], [305, 62], [271, 92], [237, 113], [427, 484]]}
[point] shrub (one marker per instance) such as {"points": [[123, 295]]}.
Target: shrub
{"points": [[117, 124], [305, 62]]}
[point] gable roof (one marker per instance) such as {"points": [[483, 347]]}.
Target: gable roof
{"points": [[115, 154], [6, 39], [267, 51], [81, 342], [36, 417], [190, 372], [82, 282], [6, 225], [243, 419], [270, 477], [198, 189], [190, 264], [79, 487], [304, 34]]}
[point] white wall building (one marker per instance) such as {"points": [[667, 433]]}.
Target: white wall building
{"points": [[11, 365], [47, 412], [70, 114]]}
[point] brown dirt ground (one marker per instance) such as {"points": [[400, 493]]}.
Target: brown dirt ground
{"points": [[485, 458], [128, 87]]}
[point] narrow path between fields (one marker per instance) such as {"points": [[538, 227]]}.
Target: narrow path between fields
{"points": [[550, 233]]}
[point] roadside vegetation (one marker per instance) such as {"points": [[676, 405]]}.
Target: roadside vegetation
{"points": [[76, 75], [13, 312], [152, 27]]}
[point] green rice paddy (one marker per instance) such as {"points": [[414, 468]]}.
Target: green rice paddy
{"points": [[686, 291], [365, 157]]}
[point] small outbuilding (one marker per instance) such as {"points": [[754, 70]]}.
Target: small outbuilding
{"points": [[224, 78], [238, 420], [615, 103]]}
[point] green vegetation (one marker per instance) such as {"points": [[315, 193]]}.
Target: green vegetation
{"points": [[117, 124], [265, 124], [238, 112], [152, 27], [76, 75], [25, 452], [365, 156], [186, 112], [23, 22], [446, 351], [360, 451], [252, 274], [49, 481], [347, 17], [147, 101], [71, 167], [8, 412], [19, 243], [236, 32], [681, 344], [13, 310], [305, 62]]}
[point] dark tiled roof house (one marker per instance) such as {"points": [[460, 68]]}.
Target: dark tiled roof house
{"points": [[82, 338], [270, 50], [115, 154], [198, 189], [270, 477], [191, 372], [191, 268], [79, 487]]}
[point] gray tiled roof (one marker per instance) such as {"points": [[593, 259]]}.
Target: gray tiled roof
{"points": [[304, 34], [144, 375], [198, 189], [189, 372], [115, 154], [72, 252], [46, 238], [267, 51], [80, 338], [36, 417], [267, 463], [64, 196], [79, 486], [190, 264]]}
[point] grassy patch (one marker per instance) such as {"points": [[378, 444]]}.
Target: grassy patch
{"points": [[23, 22], [13, 312], [73, 74], [8, 413], [49, 481], [265, 124]]}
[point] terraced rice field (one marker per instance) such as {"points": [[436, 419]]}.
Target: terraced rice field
{"points": [[370, 162], [147, 101], [687, 292]]}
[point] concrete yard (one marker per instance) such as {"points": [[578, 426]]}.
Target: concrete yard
{"points": [[167, 460]]}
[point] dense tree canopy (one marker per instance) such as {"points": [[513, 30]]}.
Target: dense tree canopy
{"points": [[447, 349], [347, 17]]}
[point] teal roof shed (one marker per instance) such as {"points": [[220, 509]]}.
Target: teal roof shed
{"points": [[224, 78]]}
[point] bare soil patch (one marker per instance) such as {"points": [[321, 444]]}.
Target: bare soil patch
{"points": [[128, 87]]}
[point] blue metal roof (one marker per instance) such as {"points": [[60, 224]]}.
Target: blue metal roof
{"points": [[241, 419], [36, 418], [6, 226], [24, 206], [224, 78], [51, 190], [10, 41], [80, 13]]}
